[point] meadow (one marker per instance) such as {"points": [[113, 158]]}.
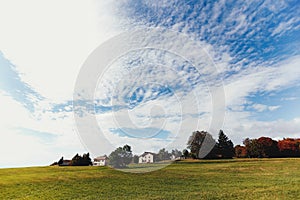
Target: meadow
{"points": [[189, 179]]}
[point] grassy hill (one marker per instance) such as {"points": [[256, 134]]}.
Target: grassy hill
{"points": [[208, 179]]}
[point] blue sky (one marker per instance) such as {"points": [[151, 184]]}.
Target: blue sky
{"points": [[254, 45]]}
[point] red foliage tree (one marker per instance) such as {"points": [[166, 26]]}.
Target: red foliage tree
{"points": [[240, 151], [289, 147], [269, 148]]}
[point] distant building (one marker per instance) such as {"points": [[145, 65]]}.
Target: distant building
{"points": [[65, 163], [146, 157], [100, 161], [172, 157]]}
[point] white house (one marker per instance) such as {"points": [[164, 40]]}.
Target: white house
{"points": [[146, 157], [100, 161], [172, 157]]}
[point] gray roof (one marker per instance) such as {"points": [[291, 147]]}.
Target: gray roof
{"points": [[101, 158], [145, 153]]}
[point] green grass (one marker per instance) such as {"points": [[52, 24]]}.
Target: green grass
{"points": [[207, 179]]}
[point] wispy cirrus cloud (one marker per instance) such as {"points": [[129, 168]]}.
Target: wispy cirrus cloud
{"points": [[14, 86], [252, 43]]}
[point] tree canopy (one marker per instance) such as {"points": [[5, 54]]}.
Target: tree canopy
{"points": [[121, 157], [84, 160], [200, 140]]}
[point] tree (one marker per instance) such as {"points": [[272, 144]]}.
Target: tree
{"points": [[253, 148], [76, 160], [289, 147], [163, 154], [121, 157], [54, 164], [185, 153], [225, 146], [263, 147], [200, 143], [269, 147], [240, 151], [60, 161], [135, 159], [84, 160]]}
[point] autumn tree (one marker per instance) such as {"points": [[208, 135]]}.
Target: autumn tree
{"points": [[269, 147], [240, 151], [289, 147]]}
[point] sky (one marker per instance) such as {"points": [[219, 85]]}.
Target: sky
{"points": [[230, 65]]}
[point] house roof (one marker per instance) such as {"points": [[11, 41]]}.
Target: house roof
{"points": [[145, 153], [101, 158]]}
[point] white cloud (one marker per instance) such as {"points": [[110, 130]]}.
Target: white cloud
{"points": [[251, 80], [286, 26], [288, 98], [34, 149], [272, 108], [48, 41], [260, 107], [239, 128]]}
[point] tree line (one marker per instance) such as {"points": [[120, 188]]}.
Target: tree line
{"points": [[223, 148], [77, 160], [123, 156], [263, 147]]}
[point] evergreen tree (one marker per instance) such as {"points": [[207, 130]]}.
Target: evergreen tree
{"points": [[185, 153], [86, 160], [60, 162], [225, 146], [76, 160]]}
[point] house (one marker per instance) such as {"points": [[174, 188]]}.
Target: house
{"points": [[100, 161], [172, 157], [146, 157], [65, 163]]}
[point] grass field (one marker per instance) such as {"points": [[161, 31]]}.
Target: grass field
{"points": [[208, 179]]}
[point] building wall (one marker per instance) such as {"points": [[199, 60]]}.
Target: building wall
{"points": [[100, 163], [148, 158]]}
